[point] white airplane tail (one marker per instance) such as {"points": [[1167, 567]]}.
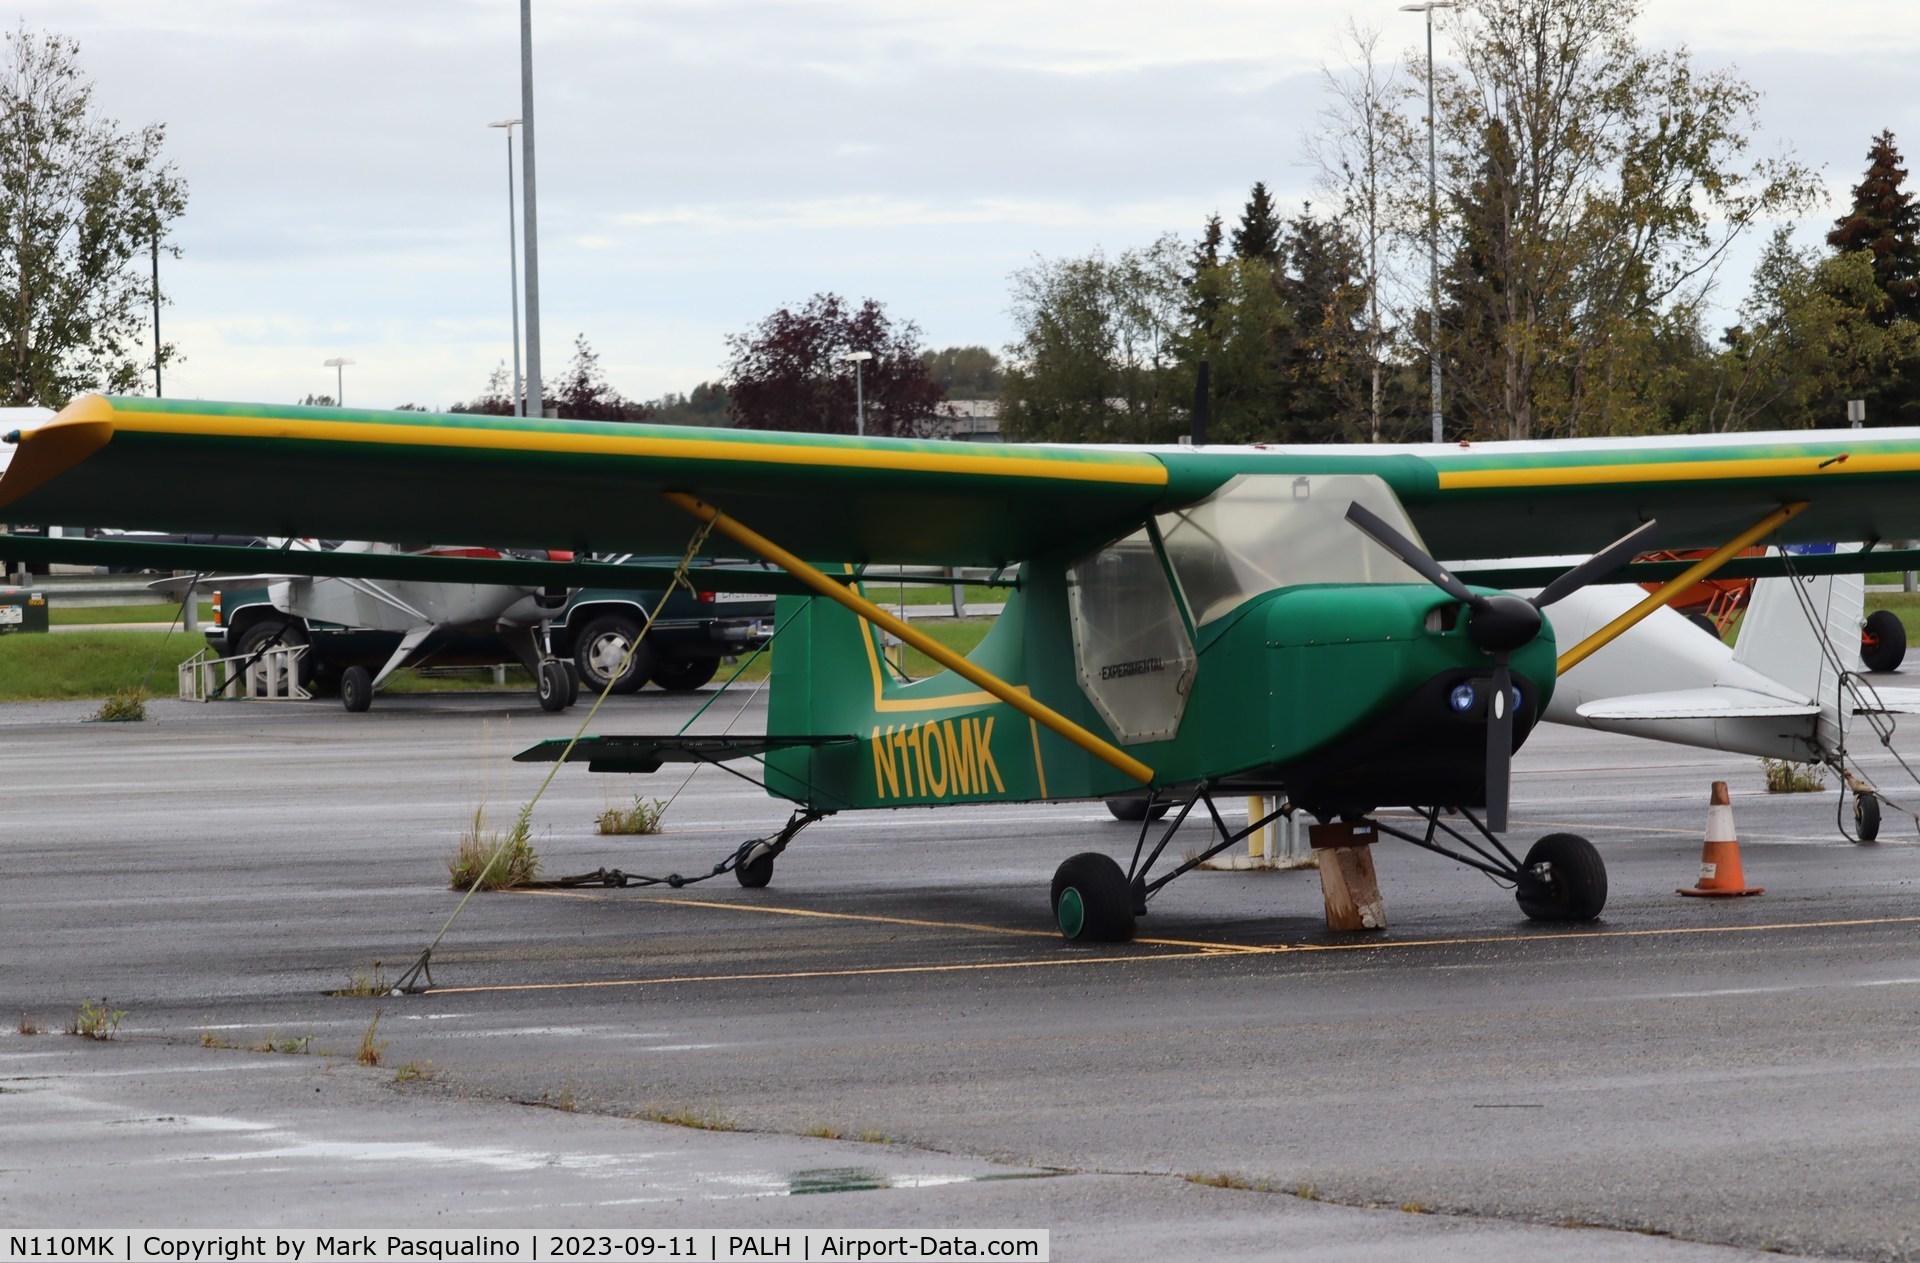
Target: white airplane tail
{"points": [[1805, 634]]}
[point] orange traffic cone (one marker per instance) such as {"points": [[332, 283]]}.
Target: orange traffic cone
{"points": [[1720, 873]]}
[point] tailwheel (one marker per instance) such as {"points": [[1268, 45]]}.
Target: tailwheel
{"points": [[756, 870], [1092, 900], [1562, 879], [1866, 816]]}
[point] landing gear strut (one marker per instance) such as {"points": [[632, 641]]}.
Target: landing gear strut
{"points": [[1562, 878]]}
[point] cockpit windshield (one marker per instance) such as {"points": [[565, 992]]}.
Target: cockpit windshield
{"points": [[1266, 531]]}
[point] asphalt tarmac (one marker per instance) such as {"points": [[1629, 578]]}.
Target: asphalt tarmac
{"points": [[892, 1034]]}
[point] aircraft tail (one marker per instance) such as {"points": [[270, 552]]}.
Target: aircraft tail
{"points": [[1805, 633]]}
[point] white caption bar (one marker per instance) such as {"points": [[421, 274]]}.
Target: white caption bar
{"points": [[696, 1245]]}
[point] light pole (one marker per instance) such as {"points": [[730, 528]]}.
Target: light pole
{"points": [[536, 407], [1433, 215], [859, 359], [339, 364], [513, 265]]}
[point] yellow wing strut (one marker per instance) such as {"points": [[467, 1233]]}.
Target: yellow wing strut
{"points": [[1673, 587], [1055, 722]]}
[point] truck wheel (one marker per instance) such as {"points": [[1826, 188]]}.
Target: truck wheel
{"points": [[600, 646], [267, 632], [680, 675]]}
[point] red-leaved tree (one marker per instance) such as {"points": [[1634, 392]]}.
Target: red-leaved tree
{"points": [[791, 372]]}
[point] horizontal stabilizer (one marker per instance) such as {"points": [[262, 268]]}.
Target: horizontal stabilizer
{"points": [[1878, 701], [1707, 703], [647, 754]]}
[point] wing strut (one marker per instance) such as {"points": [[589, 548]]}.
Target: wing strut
{"points": [[1673, 587], [1051, 719]]}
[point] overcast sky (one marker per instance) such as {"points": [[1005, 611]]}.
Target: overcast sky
{"points": [[703, 162]]}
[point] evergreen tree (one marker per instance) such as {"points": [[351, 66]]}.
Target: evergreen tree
{"points": [[1258, 236], [1323, 352], [1203, 298], [1885, 220]]}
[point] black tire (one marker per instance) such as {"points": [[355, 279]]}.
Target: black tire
{"points": [[1883, 642], [1565, 880], [573, 679], [552, 684], [755, 871], [356, 689], [1135, 809], [267, 632], [1704, 623], [601, 644], [1866, 817], [683, 675], [1092, 902]]}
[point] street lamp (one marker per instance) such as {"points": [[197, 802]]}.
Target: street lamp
{"points": [[1433, 215], [859, 359], [338, 364], [513, 265]]}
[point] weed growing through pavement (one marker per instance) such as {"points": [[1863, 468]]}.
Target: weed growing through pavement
{"points": [[372, 1048], [695, 1119], [414, 1072], [824, 1131], [517, 864], [291, 1045], [125, 706], [1784, 777], [96, 1021], [362, 982], [642, 817], [26, 1025]]}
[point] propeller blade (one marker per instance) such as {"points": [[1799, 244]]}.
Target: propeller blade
{"points": [[1604, 562], [1406, 550], [1499, 744]]}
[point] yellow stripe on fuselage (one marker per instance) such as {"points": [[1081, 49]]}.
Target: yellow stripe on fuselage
{"points": [[1147, 472]]}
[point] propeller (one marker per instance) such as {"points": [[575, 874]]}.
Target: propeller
{"points": [[1498, 624]]}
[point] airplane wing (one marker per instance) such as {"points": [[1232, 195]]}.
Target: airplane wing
{"points": [[1707, 703], [647, 754], [528, 482], [1888, 701]]}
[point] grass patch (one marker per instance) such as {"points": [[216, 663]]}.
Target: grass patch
{"points": [[26, 1025], [1223, 1179], [372, 1048], [642, 817], [699, 1120], [1784, 777], [214, 1039], [474, 861], [88, 615], [414, 1072], [96, 1021], [292, 1045], [89, 664], [824, 1131], [128, 706], [362, 982]]}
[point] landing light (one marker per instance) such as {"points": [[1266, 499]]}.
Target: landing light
{"points": [[1461, 699]]}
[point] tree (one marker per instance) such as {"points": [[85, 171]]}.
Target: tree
{"points": [[1258, 235], [790, 371], [1885, 220], [495, 401], [966, 372], [82, 205], [1097, 358], [1610, 181], [584, 395]]}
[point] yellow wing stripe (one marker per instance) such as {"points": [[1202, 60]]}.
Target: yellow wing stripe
{"points": [[1678, 471], [1109, 469]]}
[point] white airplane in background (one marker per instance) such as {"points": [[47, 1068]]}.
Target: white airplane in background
{"points": [[416, 609], [1787, 689]]}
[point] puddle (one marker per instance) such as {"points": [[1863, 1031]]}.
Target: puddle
{"points": [[866, 1179]]}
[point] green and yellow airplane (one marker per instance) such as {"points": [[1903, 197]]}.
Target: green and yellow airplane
{"points": [[1184, 623]]}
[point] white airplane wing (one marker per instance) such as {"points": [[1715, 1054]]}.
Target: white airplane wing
{"points": [[1879, 701], [177, 585], [1707, 703]]}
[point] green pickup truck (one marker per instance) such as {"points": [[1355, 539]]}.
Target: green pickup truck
{"points": [[691, 636]]}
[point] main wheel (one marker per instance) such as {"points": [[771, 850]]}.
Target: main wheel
{"points": [[1564, 880], [1866, 816], [1091, 900], [681, 675], [756, 870], [268, 632], [1883, 641], [552, 683], [599, 649], [356, 689], [1135, 808]]}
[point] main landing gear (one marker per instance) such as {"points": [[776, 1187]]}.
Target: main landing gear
{"points": [[1562, 878]]}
